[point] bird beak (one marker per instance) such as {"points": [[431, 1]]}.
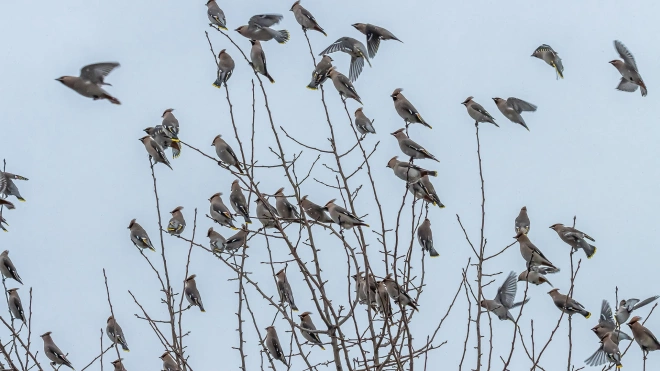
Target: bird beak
{"points": [[237, 29], [392, 133], [494, 100]]}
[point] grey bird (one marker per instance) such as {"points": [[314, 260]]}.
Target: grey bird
{"points": [[567, 304], [320, 73], [371, 290], [258, 60], [343, 217], [343, 85], [406, 110], [477, 112], [522, 221], [425, 238], [626, 307], [192, 294], [118, 365], [355, 49], [608, 351], [238, 202], [410, 148], [216, 240], [359, 288], [630, 77], [219, 212], [504, 300], [15, 305], [225, 68], [399, 295], [407, 171], [607, 325], [551, 57], [91, 80], [512, 109], [643, 336], [169, 364], [7, 268], [374, 35], [306, 322], [273, 345], [266, 213], [536, 275], [225, 153], [363, 124], [532, 255], [158, 134], [383, 300], [314, 211], [258, 28], [234, 242], [170, 125], [575, 238], [54, 353], [155, 151], [424, 190], [284, 289], [139, 236], [287, 211], [305, 18], [116, 334], [216, 15], [177, 224], [8, 187]]}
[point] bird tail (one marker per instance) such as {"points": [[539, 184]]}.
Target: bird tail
{"points": [[586, 314], [124, 347], [218, 83], [282, 36], [421, 120], [240, 170], [590, 251], [112, 99], [429, 173], [524, 125], [433, 253], [272, 81], [559, 72]]}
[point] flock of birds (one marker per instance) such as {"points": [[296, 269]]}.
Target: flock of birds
{"points": [[378, 294]]}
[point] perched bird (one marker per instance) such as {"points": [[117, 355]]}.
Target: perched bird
{"points": [[15, 305], [359, 288], [643, 336], [177, 224], [258, 59], [536, 275], [225, 153], [343, 217], [158, 134], [477, 112], [550, 57], [503, 301], [283, 287], [266, 213], [305, 18], [397, 294], [425, 238], [54, 353], [139, 236], [287, 211], [314, 211], [8, 188], [216, 15], [626, 307], [116, 334], [170, 125], [273, 345], [216, 240], [343, 85], [522, 221], [91, 80], [607, 325], [423, 189], [117, 364], [219, 212], [410, 148], [406, 110], [320, 73], [238, 202], [155, 151], [306, 322], [355, 49], [576, 239], [407, 171], [225, 68], [362, 123], [383, 300], [7, 268], [512, 108], [370, 287], [234, 242], [258, 28], [532, 255], [169, 364], [192, 294], [630, 77], [567, 304], [374, 35], [608, 350]]}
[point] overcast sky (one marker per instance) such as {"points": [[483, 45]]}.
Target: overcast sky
{"points": [[592, 152]]}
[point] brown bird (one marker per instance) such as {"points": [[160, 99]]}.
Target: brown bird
{"points": [[567, 304], [374, 35], [305, 18], [643, 336]]}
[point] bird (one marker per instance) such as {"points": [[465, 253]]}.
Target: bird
{"points": [[343, 217], [170, 125], [91, 80], [155, 151], [355, 49], [287, 211], [258, 28], [54, 353], [536, 275], [238, 202], [15, 305], [399, 295], [116, 334], [407, 171], [273, 345], [305, 18], [234, 242], [169, 364], [177, 224], [266, 213], [630, 77], [643, 336], [406, 110], [512, 108], [320, 73], [139, 236], [192, 294], [216, 15], [522, 221], [425, 238], [314, 211], [567, 304], [410, 148], [551, 57], [225, 153], [225, 68], [626, 307], [423, 189], [158, 134], [284, 289], [363, 124], [504, 300], [118, 365], [477, 112], [532, 255], [383, 300], [9, 188], [7, 267], [216, 240], [374, 35], [258, 60], [312, 337], [343, 85], [607, 325], [575, 238], [219, 212], [359, 288], [608, 350], [370, 288]]}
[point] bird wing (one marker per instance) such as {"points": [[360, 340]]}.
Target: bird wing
{"points": [[626, 85], [625, 54], [543, 48], [341, 45], [477, 107], [645, 302], [343, 211], [597, 359], [507, 292], [95, 73], [6, 203], [373, 42], [357, 63], [606, 317], [265, 20], [158, 149], [544, 270], [520, 105]]}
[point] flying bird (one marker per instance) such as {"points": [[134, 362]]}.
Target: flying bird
{"points": [[91, 80]]}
